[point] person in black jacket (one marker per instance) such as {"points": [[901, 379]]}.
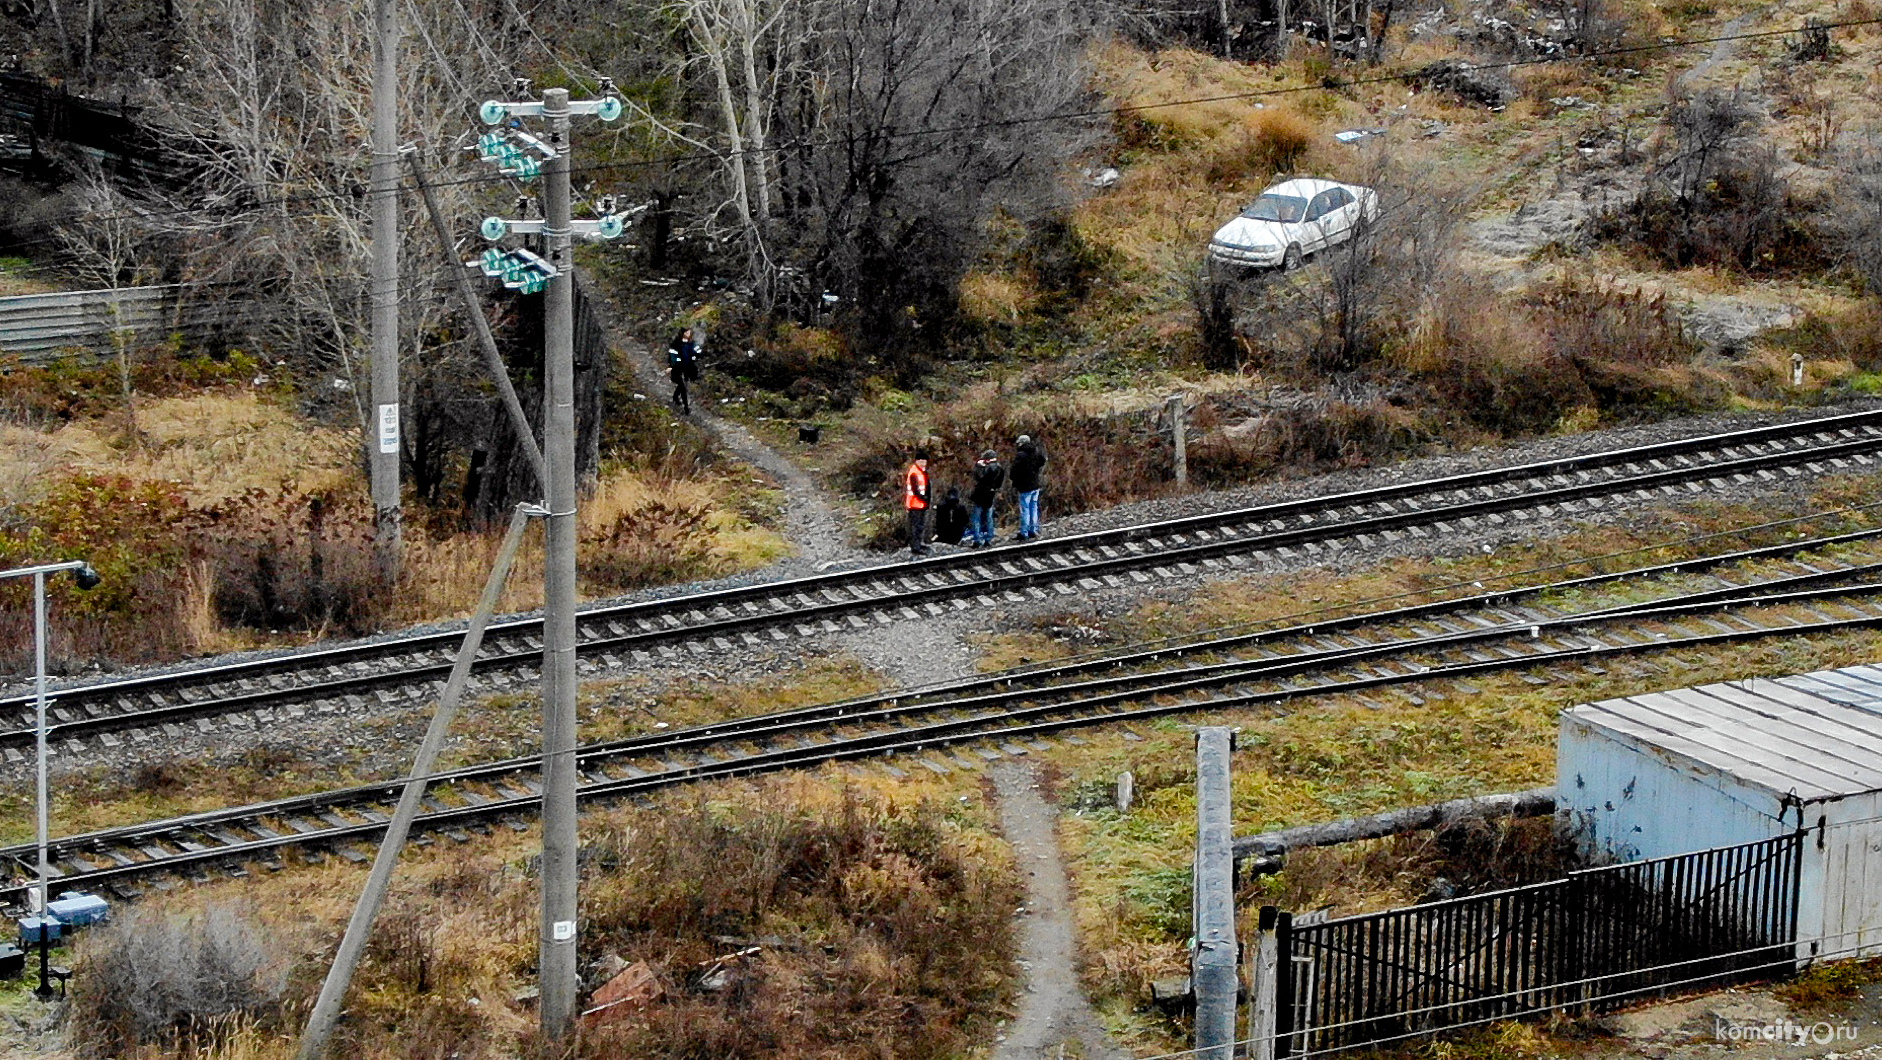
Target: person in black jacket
{"points": [[1029, 477], [950, 519], [683, 367], [989, 476]]}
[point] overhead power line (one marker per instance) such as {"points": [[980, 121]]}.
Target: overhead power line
{"points": [[1083, 114]]}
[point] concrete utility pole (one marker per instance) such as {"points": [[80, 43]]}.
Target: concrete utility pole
{"points": [[555, 278], [383, 432], [559, 842]]}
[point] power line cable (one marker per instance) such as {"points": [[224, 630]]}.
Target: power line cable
{"points": [[1066, 115]]}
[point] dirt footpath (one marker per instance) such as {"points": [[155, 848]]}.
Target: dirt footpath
{"points": [[1055, 1018], [809, 521]]}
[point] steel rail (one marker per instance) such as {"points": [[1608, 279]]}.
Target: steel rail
{"points": [[1037, 718], [705, 601], [1010, 578]]}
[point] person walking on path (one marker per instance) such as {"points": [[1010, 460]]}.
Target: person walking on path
{"points": [[989, 476], [915, 489], [683, 367], [1029, 476]]}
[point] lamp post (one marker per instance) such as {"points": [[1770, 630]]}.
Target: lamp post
{"points": [[86, 578]]}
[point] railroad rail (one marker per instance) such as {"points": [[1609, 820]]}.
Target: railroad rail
{"points": [[1820, 586], [412, 667]]}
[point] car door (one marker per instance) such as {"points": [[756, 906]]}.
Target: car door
{"points": [[1339, 219], [1314, 229]]}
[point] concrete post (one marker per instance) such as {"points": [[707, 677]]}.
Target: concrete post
{"points": [[559, 682], [1213, 963], [382, 433], [1179, 445]]}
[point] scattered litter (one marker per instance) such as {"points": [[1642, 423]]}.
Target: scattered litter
{"points": [[640, 397], [663, 282], [1353, 136], [1102, 178], [634, 988]]}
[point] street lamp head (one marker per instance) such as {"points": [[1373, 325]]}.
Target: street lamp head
{"points": [[86, 577]]}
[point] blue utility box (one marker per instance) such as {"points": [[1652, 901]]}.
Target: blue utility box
{"points": [[32, 926], [77, 910]]}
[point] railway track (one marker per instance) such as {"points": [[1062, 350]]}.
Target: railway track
{"points": [[413, 667], [1820, 586]]}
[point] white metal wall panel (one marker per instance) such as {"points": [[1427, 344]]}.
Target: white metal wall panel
{"points": [[1851, 856], [1634, 801]]}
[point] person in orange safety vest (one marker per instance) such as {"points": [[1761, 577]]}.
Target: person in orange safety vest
{"points": [[916, 490]]}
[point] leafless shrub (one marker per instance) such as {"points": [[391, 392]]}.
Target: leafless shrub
{"points": [[1717, 195], [283, 560], [1812, 44], [153, 977], [1372, 284], [1859, 214], [1212, 294], [1595, 26]]}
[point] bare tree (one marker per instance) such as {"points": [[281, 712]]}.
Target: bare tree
{"points": [[108, 243]]}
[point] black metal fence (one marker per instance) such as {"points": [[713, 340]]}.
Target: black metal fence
{"points": [[1597, 939]]}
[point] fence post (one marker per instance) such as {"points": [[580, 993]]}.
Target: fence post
{"points": [[1284, 985], [1213, 973], [1262, 1014], [1180, 448]]}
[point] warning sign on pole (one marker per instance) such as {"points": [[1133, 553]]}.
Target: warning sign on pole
{"points": [[389, 428]]}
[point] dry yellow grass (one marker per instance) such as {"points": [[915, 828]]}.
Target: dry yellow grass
{"points": [[462, 919], [212, 445]]}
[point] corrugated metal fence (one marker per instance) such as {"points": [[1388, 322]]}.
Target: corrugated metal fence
{"points": [[39, 328], [1595, 940]]}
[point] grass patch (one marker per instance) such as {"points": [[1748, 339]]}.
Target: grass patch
{"points": [[227, 521], [1827, 985]]}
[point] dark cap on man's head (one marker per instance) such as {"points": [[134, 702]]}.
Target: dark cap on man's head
{"points": [[989, 455]]}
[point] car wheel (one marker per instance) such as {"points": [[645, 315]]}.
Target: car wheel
{"points": [[1291, 260]]}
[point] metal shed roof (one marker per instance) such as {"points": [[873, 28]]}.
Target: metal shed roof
{"points": [[1816, 736]]}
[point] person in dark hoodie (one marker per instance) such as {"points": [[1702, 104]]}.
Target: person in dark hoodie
{"points": [[683, 367], [1029, 478], [989, 476], [950, 519]]}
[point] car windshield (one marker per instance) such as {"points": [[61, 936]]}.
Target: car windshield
{"points": [[1284, 208]]}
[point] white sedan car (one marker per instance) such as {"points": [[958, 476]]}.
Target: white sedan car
{"points": [[1293, 219]]}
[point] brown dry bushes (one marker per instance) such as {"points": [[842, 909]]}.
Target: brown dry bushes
{"points": [[1093, 461], [177, 980], [891, 937]]}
